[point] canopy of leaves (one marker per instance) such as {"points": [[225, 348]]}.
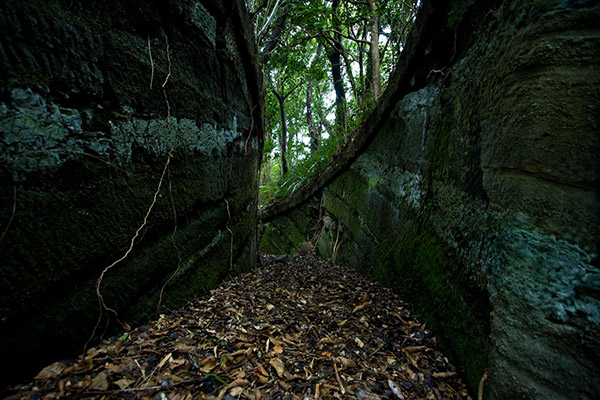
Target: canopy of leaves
{"points": [[297, 39]]}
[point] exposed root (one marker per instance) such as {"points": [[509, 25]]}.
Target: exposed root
{"points": [[231, 235], [336, 245], [12, 216]]}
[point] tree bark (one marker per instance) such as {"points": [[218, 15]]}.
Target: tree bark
{"points": [[374, 49], [282, 133], [312, 127], [275, 35], [336, 70]]}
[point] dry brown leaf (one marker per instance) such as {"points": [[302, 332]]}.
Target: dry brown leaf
{"points": [[236, 391], [164, 360], [277, 349], [51, 371], [184, 348], [124, 383], [278, 365], [261, 370], [358, 308], [115, 369], [208, 364], [276, 342], [345, 362], [443, 374], [100, 382], [414, 349], [395, 389]]}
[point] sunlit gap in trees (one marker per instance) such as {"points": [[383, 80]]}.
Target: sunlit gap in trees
{"points": [[326, 62]]}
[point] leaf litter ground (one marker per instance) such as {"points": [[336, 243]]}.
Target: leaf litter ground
{"points": [[301, 329]]}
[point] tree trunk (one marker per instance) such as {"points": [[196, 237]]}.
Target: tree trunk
{"points": [[275, 35], [282, 133], [374, 48], [336, 71], [312, 128]]}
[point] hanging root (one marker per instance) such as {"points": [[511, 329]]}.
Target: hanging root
{"points": [[170, 130], [151, 63], [168, 59], [481, 385], [104, 309], [231, 235], [13, 213], [179, 260], [251, 129]]}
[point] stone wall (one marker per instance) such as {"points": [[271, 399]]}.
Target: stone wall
{"points": [[478, 198], [86, 127]]}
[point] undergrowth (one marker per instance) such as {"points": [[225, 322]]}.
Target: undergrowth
{"points": [[301, 173], [304, 170]]}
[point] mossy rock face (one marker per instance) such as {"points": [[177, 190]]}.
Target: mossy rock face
{"points": [[87, 123], [478, 197]]}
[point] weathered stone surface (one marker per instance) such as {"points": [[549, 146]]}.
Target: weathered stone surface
{"points": [[478, 196], [85, 131]]}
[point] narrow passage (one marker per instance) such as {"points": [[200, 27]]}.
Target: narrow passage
{"points": [[299, 328]]}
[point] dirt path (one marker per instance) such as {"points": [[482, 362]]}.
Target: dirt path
{"points": [[304, 329]]}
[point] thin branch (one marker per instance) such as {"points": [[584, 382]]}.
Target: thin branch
{"points": [[268, 21]]}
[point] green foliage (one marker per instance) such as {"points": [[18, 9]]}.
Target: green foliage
{"points": [[301, 173], [299, 64]]}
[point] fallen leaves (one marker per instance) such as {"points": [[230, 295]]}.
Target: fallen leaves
{"points": [[100, 382], [278, 365], [307, 330]]}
